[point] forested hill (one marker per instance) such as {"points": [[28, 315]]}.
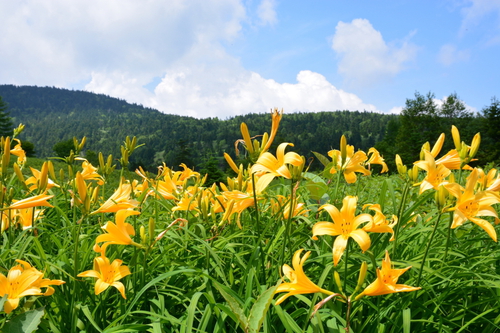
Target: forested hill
{"points": [[52, 115]]}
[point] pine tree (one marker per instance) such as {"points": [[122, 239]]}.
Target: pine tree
{"points": [[6, 125]]}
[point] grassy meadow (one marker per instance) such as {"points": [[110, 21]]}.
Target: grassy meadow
{"points": [[275, 248]]}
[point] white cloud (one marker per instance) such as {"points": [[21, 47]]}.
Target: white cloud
{"points": [[474, 14], [396, 110], [365, 57], [267, 13], [118, 47], [449, 55], [61, 42]]}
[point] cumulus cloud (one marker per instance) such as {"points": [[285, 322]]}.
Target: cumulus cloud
{"points": [[249, 92], [365, 57], [449, 55], [267, 13], [61, 42], [169, 55]]}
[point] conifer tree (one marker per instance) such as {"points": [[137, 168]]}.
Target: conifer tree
{"points": [[6, 125]]}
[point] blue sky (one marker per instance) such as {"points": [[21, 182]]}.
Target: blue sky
{"points": [[220, 58]]}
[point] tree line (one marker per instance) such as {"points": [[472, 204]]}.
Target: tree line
{"points": [[54, 116]]}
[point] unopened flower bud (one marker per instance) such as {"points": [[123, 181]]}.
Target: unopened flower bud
{"points": [[362, 275], [338, 282], [475, 145]]}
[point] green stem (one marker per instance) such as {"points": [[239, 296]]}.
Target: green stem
{"points": [[339, 174], [427, 252], [448, 236], [402, 204], [257, 220], [345, 264], [348, 316]]}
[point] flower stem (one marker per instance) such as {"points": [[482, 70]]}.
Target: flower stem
{"points": [[448, 237], [400, 213], [427, 252]]}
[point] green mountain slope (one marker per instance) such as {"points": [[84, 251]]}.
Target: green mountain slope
{"points": [[52, 115]]}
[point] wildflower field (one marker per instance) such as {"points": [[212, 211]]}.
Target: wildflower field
{"points": [[276, 248]]}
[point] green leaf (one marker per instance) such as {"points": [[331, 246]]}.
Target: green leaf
{"points": [[2, 301], [316, 189], [406, 320], [234, 303], [259, 310], [322, 158], [86, 312], [24, 323]]}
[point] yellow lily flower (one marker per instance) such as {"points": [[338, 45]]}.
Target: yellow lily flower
{"points": [[89, 172], [119, 200], [40, 177], [376, 158], [283, 205], [490, 181], [387, 277], [118, 233], [345, 224], [436, 173], [380, 224], [37, 200], [275, 166], [299, 283], [26, 216], [348, 162], [19, 152], [107, 274], [276, 118], [24, 280], [470, 205]]}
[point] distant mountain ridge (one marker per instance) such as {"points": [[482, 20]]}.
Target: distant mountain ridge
{"points": [[53, 114]]}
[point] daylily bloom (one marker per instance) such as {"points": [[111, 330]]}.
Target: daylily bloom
{"points": [[24, 280], [19, 152], [276, 118], [375, 158], [348, 162], [275, 166], [26, 216], [118, 233], [387, 277], [107, 274], [283, 205], [436, 173], [470, 205], [89, 172], [490, 181], [119, 200], [40, 178], [299, 283], [37, 200], [380, 224], [345, 224]]}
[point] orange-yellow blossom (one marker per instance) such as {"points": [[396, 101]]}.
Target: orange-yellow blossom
{"points": [[272, 166], [376, 158], [37, 200], [345, 225], [470, 205], [436, 173], [118, 233], [380, 224], [386, 282], [348, 162], [119, 200], [299, 282], [24, 280], [107, 274]]}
